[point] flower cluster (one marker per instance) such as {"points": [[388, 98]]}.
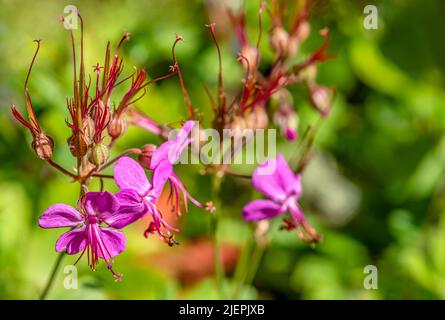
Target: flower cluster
{"points": [[96, 122], [287, 34], [137, 197]]}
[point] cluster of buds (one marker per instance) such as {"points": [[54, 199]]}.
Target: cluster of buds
{"points": [[94, 121], [285, 37]]}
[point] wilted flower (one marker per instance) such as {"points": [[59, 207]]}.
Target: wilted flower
{"points": [[98, 241], [283, 188]]}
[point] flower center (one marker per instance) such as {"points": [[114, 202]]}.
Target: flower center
{"points": [[92, 219]]}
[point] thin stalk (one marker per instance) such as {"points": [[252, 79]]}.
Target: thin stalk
{"points": [[257, 256], [242, 267], [61, 169], [52, 276], [214, 223]]}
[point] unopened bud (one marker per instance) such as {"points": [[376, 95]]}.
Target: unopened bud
{"points": [[43, 145], [251, 55], [117, 127], [303, 31], [285, 116], [146, 154], [279, 40], [88, 128], [257, 119], [98, 154], [78, 144], [321, 99]]}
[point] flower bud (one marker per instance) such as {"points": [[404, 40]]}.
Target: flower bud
{"points": [[88, 128], [238, 123], [251, 55], [321, 99], [117, 127], [98, 154], [43, 145], [285, 116], [279, 40], [146, 154], [78, 144], [257, 119], [303, 31]]}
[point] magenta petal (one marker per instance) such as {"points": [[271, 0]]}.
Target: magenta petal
{"points": [[275, 179], [182, 140], [171, 150], [101, 203], [261, 209], [129, 174], [113, 241], [129, 197], [160, 176], [60, 216], [290, 134], [290, 181], [183, 134], [161, 154], [131, 209], [72, 242]]}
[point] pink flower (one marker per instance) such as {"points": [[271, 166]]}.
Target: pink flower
{"points": [[169, 154], [98, 241], [138, 196], [283, 188]]}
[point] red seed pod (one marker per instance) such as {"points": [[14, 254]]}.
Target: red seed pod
{"points": [[43, 145], [78, 144], [117, 127], [88, 129], [146, 154]]}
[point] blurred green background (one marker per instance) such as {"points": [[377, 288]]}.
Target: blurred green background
{"points": [[374, 187]]}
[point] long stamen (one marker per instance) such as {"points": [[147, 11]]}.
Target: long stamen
{"points": [[105, 252], [158, 224]]}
